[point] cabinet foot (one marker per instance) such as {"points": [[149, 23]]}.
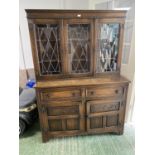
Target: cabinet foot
{"points": [[120, 132], [44, 138]]}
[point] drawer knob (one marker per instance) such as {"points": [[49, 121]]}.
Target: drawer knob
{"points": [[73, 94], [116, 91], [92, 93], [47, 95]]}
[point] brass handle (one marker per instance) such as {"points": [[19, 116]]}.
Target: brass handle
{"points": [[92, 93], [73, 94], [116, 91]]}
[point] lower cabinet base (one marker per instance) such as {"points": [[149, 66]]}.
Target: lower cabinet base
{"points": [[46, 136], [82, 110]]}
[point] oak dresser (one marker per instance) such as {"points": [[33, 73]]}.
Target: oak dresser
{"points": [[77, 60]]}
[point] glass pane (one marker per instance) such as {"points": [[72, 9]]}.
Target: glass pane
{"points": [[107, 47], [79, 48], [48, 42]]}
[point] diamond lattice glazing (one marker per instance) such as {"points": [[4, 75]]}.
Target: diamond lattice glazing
{"points": [[48, 42], [79, 48]]}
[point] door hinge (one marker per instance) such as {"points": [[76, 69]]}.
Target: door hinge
{"points": [[42, 109], [45, 130]]}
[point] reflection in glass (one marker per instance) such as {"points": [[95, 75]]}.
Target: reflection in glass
{"points": [[107, 50], [79, 48], [48, 42]]}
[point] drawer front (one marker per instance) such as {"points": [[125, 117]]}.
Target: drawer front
{"points": [[60, 94], [104, 92]]}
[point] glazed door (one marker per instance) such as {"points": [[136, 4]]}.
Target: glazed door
{"points": [[79, 46], [108, 45], [47, 38]]}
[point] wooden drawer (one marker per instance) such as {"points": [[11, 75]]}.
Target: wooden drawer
{"points": [[60, 94], [104, 92]]}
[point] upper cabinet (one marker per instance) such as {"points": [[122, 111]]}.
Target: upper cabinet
{"points": [[86, 43]]}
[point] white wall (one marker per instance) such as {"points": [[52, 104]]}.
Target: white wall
{"points": [[40, 4]]}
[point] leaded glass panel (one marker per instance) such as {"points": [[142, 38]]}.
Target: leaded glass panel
{"points": [[48, 42], [79, 48], [107, 47]]}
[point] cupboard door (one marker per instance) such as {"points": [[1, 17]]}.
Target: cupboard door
{"points": [[103, 115], [79, 46], [65, 117], [48, 50], [108, 36]]}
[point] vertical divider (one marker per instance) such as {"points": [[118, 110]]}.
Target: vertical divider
{"points": [[104, 119], [121, 34], [64, 124], [32, 33], [87, 116], [82, 110], [63, 45], [94, 46], [43, 118], [124, 103]]}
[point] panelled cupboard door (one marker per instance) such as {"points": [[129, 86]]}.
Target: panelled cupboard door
{"points": [[78, 35], [108, 45], [47, 53], [66, 116], [103, 115]]}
